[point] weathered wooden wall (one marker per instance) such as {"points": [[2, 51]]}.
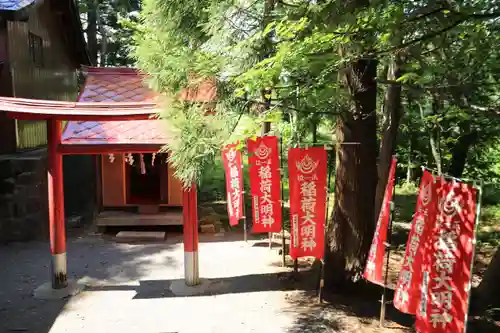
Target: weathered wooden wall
{"points": [[54, 78]]}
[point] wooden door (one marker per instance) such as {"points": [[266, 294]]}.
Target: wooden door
{"points": [[113, 181]]}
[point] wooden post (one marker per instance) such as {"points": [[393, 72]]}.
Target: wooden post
{"points": [[190, 222], [56, 206]]}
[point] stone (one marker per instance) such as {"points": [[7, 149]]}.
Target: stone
{"points": [[8, 186], [210, 219], [27, 178], [208, 229], [45, 291], [74, 221]]}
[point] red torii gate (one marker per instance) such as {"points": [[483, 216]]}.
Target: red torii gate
{"points": [[54, 113]]}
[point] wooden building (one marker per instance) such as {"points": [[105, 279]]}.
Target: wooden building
{"points": [[134, 178], [42, 48]]}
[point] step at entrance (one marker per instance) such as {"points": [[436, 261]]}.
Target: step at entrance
{"points": [[140, 236]]}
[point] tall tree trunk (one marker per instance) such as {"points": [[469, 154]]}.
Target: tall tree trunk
{"points": [[434, 133], [351, 229], [459, 153], [435, 137], [314, 130], [104, 37], [489, 288], [392, 116], [92, 30], [266, 92]]}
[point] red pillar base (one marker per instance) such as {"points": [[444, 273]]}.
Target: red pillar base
{"points": [[190, 221]]}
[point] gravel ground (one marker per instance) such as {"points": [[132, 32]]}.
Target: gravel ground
{"points": [[128, 290]]}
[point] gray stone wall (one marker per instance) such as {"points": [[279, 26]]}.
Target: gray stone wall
{"points": [[24, 194], [23, 197]]}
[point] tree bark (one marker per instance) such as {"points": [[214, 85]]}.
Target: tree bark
{"points": [[92, 30], [435, 137], [351, 228], [392, 116], [459, 153], [489, 288]]}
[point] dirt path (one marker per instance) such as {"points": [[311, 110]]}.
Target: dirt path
{"points": [[128, 290]]}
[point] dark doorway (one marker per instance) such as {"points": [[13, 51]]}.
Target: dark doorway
{"points": [[145, 180]]}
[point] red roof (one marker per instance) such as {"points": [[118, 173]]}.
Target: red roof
{"points": [[111, 85]]}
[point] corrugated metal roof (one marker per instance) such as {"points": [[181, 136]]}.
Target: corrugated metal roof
{"points": [[15, 5], [113, 85]]}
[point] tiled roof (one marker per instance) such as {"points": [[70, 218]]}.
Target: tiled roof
{"points": [[116, 132], [15, 5], [111, 84], [124, 85]]}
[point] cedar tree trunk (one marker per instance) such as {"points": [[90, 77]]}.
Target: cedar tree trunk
{"points": [[351, 228], [489, 288], [92, 30], [392, 116], [459, 153]]}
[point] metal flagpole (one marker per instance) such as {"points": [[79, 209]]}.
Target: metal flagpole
{"points": [[388, 256], [478, 216], [282, 173], [245, 236]]}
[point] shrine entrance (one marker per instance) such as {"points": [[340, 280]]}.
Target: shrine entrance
{"points": [[147, 181]]}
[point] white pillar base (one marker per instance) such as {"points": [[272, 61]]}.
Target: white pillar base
{"points": [[46, 292], [191, 270], [59, 271]]}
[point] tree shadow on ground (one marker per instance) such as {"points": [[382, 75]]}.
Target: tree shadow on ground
{"points": [[27, 266], [151, 289], [360, 304]]}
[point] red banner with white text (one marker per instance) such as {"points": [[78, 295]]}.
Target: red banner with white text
{"points": [[265, 184], [234, 183], [307, 170], [445, 303], [408, 289], [375, 263]]}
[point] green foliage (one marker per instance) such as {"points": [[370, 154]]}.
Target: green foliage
{"points": [[296, 52]]}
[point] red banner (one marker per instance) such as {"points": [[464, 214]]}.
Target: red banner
{"points": [[446, 295], [234, 183], [307, 173], [408, 289], [265, 184], [375, 263]]}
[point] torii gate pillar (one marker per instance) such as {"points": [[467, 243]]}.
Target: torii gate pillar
{"points": [[190, 221], [56, 206]]}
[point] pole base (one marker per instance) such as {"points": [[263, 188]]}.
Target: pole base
{"points": [[205, 287], [191, 269], [46, 292]]}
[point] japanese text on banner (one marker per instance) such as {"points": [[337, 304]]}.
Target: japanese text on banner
{"points": [[265, 184], [307, 172], [412, 277], [234, 183], [445, 307]]}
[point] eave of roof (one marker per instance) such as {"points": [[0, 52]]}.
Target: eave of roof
{"points": [[44, 109]]}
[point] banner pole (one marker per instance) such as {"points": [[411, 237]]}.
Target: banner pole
{"points": [[322, 267], [478, 216], [388, 257], [245, 236], [282, 173]]}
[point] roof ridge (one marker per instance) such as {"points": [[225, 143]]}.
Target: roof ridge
{"points": [[112, 70]]}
